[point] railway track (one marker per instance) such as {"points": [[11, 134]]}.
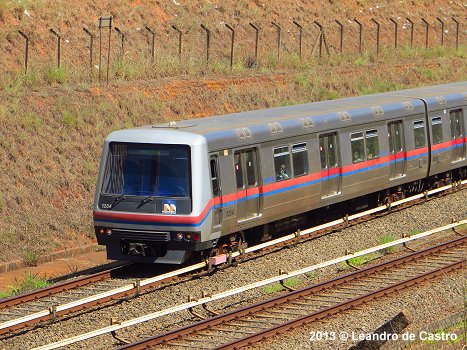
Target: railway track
{"points": [[281, 314], [57, 288], [46, 305]]}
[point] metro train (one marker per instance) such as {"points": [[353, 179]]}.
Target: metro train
{"points": [[201, 187]]}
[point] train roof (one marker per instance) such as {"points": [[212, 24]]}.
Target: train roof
{"points": [[237, 129]]}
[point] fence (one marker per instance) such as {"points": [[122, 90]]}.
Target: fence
{"points": [[249, 45]]}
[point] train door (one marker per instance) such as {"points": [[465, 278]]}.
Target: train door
{"points": [[396, 150], [457, 134], [216, 192], [329, 165], [246, 174]]}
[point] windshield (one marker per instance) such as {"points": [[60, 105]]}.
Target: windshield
{"points": [[147, 170]]}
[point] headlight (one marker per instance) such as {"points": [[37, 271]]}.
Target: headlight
{"points": [[178, 236], [108, 231], [187, 236]]}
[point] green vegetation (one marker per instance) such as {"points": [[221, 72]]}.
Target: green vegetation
{"points": [[31, 258], [438, 334], [32, 121], [57, 75], [361, 260], [276, 287], [69, 119], [387, 239], [27, 283], [413, 232]]}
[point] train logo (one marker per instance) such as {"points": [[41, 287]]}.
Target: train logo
{"points": [[169, 208]]}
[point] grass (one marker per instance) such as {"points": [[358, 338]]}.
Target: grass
{"points": [[32, 121], [56, 75], [69, 119], [413, 232], [31, 258], [363, 259], [26, 283], [387, 239], [276, 287], [458, 329]]}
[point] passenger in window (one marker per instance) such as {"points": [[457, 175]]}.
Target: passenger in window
{"points": [[356, 157], [282, 175]]}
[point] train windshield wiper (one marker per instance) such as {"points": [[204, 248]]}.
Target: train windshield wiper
{"points": [[146, 200], [118, 199]]}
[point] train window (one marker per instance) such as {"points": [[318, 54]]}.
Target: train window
{"points": [[332, 150], [214, 177], [358, 147], [437, 129], [322, 152], [419, 134], [250, 167], [372, 145], [238, 170], [282, 163], [300, 159], [457, 125]]}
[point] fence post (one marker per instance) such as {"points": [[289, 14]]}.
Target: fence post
{"points": [[91, 41], [26, 51], [179, 41], [153, 42], [457, 33], [300, 29], [322, 39], [360, 26], [395, 32], [121, 35], [104, 22], [442, 30], [278, 28], [232, 40], [256, 40], [208, 41], [411, 30], [59, 38], [426, 33], [377, 35], [341, 29]]}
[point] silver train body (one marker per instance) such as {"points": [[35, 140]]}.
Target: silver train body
{"points": [[167, 191]]}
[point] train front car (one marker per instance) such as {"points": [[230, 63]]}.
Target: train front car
{"points": [[149, 205]]}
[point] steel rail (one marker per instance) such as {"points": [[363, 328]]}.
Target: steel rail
{"points": [[58, 288], [228, 293], [336, 309], [63, 309], [320, 314]]}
